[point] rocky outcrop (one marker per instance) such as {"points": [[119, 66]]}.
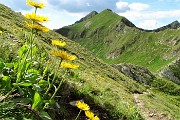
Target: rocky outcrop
{"points": [[90, 15], [127, 22], [63, 31], [172, 72], [137, 73]]}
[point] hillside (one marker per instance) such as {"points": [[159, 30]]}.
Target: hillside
{"points": [[110, 94], [115, 40]]}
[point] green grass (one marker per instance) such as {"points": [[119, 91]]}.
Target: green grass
{"points": [[107, 91], [153, 101]]}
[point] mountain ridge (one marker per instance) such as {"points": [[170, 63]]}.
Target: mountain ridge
{"points": [[173, 25], [112, 38]]}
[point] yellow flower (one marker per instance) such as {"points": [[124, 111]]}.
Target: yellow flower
{"points": [[37, 27], [63, 55], [89, 114], [82, 106], [95, 118], [36, 18], [58, 43], [35, 4], [69, 65], [1, 32]]}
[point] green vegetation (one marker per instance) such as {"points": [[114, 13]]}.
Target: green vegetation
{"points": [[108, 92], [116, 40]]}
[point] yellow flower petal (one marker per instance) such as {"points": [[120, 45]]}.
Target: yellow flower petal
{"points": [[35, 4], [69, 65], [82, 106], [89, 114], [95, 118], [58, 43], [37, 27], [36, 18], [63, 55]]}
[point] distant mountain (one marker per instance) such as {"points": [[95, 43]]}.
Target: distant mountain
{"points": [[115, 39], [173, 25]]}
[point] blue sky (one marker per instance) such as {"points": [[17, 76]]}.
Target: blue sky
{"points": [[147, 14]]}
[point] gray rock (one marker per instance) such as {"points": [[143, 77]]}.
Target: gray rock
{"points": [[172, 71], [137, 73], [88, 16]]}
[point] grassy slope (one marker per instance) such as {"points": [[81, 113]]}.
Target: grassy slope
{"points": [[94, 81], [106, 34]]}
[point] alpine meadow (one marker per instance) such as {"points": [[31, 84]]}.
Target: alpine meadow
{"points": [[102, 67]]}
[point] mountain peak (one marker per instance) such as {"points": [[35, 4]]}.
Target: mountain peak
{"points": [[108, 10], [174, 25], [88, 16]]}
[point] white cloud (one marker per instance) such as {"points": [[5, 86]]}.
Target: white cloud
{"points": [[88, 4], [168, 0], [138, 6], [125, 6], [151, 14], [148, 24], [151, 19], [122, 6]]}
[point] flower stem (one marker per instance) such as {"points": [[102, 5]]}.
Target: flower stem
{"points": [[9, 93], [56, 90], [50, 85], [78, 115]]}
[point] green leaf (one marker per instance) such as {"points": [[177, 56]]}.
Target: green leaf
{"points": [[20, 91], [22, 50], [43, 56], [24, 84], [9, 65], [27, 65], [22, 100], [43, 83], [26, 118], [45, 71], [44, 115], [33, 71], [37, 100], [37, 87], [6, 82], [2, 65], [32, 75], [34, 50], [6, 78], [16, 65]]}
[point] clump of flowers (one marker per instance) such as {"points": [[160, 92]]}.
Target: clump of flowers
{"points": [[64, 63], [36, 19], [85, 107], [63, 55]]}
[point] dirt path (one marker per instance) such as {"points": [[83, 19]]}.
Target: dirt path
{"points": [[147, 113]]}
